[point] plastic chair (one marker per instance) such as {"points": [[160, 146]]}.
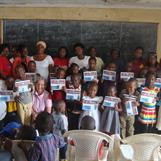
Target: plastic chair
{"points": [[143, 145], [87, 145], [157, 154]]}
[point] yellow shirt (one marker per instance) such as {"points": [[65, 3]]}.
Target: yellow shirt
{"points": [[11, 106]]}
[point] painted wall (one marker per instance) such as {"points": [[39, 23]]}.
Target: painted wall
{"points": [[80, 13]]}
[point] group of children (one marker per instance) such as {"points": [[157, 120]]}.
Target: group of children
{"points": [[106, 98]]}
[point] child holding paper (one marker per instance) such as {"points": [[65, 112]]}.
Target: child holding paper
{"points": [[110, 122], [74, 106], [91, 104], [147, 117], [106, 83], [128, 95], [23, 99], [58, 95]]}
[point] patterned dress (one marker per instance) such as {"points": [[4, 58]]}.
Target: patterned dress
{"points": [[148, 110]]}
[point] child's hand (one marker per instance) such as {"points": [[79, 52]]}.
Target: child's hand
{"points": [[64, 89], [102, 107], [17, 98]]}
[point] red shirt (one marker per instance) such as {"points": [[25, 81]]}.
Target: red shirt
{"points": [[61, 62], [58, 95], [5, 66], [137, 66]]}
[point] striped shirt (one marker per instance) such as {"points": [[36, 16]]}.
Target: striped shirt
{"points": [[45, 148], [148, 110]]}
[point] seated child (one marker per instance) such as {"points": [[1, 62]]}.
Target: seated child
{"points": [[46, 144]]}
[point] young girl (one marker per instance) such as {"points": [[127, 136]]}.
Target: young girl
{"points": [[126, 120], [61, 60], [74, 106], [152, 63], [74, 69], [91, 94], [41, 98], [106, 83], [60, 125], [32, 67], [147, 117], [59, 94], [110, 117], [24, 99]]}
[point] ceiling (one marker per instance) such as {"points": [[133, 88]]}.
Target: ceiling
{"points": [[98, 3]]}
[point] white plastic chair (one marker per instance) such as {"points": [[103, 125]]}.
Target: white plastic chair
{"points": [[87, 145], [143, 145]]}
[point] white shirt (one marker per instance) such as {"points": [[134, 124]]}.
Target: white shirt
{"points": [[82, 63], [42, 67]]}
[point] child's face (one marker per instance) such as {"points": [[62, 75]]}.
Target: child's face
{"points": [[129, 67], [75, 70], [111, 92], [143, 73], [61, 74], [62, 53], [131, 87], [76, 81], [92, 91], [115, 55], [92, 64], [138, 53], [62, 108], [32, 67], [79, 51], [5, 51], [150, 80], [10, 83], [111, 67], [40, 86], [20, 72]]}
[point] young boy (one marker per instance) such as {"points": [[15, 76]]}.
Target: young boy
{"points": [[127, 121], [46, 144]]}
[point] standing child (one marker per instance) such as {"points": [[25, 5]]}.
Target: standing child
{"points": [[59, 94], [74, 107], [110, 122], [126, 120], [46, 144], [147, 117], [61, 125], [23, 100], [106, 83], [93, 112]]}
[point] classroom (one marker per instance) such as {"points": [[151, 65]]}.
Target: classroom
{"points": [[80, 80]]}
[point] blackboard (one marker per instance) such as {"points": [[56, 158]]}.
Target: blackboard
{"points": [[104, 35]]}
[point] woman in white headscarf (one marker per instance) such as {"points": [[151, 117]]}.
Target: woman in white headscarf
{"points": [[44, 62]]}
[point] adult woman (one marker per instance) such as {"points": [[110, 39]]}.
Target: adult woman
{"points": [[41, 98], [44, 62], [5, 65]]}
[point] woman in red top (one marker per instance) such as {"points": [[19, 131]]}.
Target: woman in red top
{"points": [[5, 65], [138, 62], [61, 60]]}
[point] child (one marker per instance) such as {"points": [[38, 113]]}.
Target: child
{"points": [[74, 106], [94, 112], [127, 121], [110, 117], [61, 124], [32, 67], [74, 69], [106, 83], [138, 62], [147, 116], [61, 60], [60, 94], [23, 100], [41, 99], [45, 146], [152, 63]]}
